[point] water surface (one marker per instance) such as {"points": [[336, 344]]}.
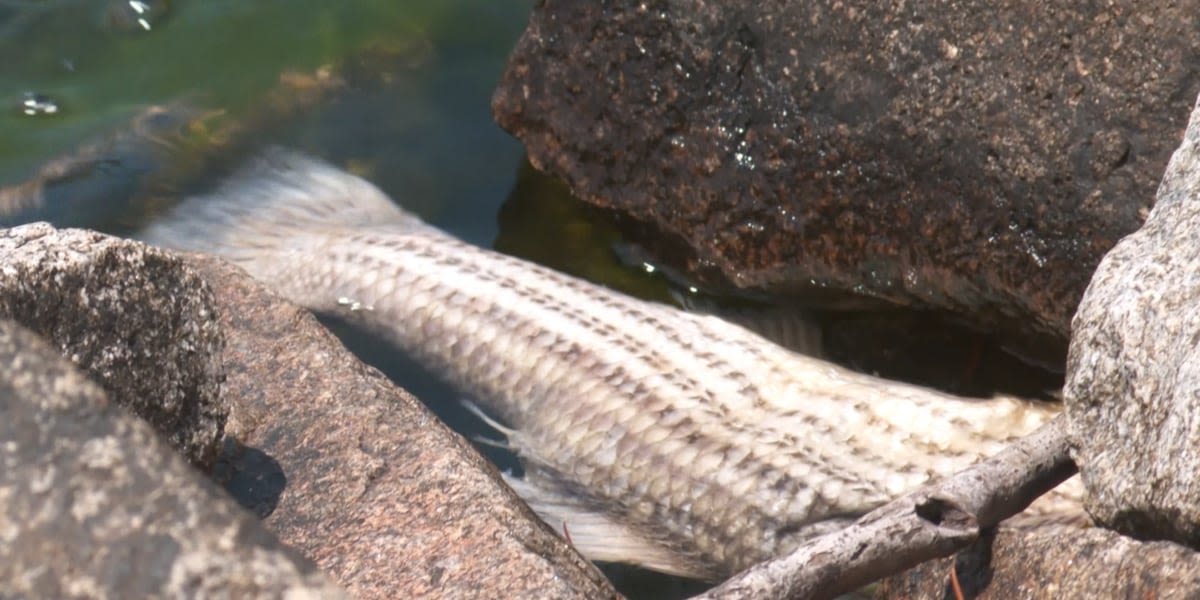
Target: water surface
{"points": [[147, 112]]}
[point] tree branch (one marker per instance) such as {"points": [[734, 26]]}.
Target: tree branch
{"points": [[936, 520]]}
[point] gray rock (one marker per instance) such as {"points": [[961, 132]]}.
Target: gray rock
{"points": [[1133, 382], [966, 156], [134, 317], [361, 477], [1058, 562], [93, 504]]}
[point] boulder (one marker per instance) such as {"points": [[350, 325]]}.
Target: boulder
{"points": [[1133, 382], [135, 318], [972, 157], [94, 504], [360, 476], [1057, 562]]}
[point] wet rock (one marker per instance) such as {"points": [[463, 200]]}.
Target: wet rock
{"points": [[1133, 381], [135, 318], [1057, 563], [94, 503], [969, 156], [359, 476]]}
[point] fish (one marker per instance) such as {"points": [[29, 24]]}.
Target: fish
{"points": [[670, 439]]}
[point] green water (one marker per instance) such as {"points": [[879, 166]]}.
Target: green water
{"points": [[431, 132], [227, 51], [414, 118]]}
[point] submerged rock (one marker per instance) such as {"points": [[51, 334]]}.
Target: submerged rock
{"points": [[1058, 562], [359, 476], [972, 157], [1133, 382], [86, 186], [96, 505], [135, 318]]}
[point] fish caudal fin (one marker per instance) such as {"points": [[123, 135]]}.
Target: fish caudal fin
{"points": [[271, 203]]}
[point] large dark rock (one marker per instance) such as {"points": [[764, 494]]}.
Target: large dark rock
{"points": [[361, 477], [93, 504], [136, 318], [1133, 380], [969, 156], [1059, 562]]}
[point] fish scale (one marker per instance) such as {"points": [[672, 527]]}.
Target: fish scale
{"points": [[673, 439]]}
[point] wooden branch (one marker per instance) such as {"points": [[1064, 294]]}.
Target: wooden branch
{"points": [[932, 522]]}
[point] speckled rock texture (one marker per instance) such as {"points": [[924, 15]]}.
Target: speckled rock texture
{"points": [[1133, 380], [359, 476], [135, 318], [1055, 563], [969, 156], [94, 504]]}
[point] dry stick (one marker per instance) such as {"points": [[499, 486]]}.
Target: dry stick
{"points": [[934, 521]]}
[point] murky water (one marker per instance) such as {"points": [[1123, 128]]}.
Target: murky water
{"points": [[111, 110], [421, 123]]}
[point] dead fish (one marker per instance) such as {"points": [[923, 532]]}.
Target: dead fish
{"points": [[678, 441]]}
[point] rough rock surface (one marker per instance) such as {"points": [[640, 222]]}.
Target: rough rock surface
{"points": [[1133, 381], [93, 504], [135, 318], [1055, 563], [361, 477], [970, 156]]}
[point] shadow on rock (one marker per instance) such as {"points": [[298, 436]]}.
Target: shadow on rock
{"points": [[251, 476]]}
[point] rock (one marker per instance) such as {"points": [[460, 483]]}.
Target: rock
{"points": [[359, 476], [1058, 562], [135, 318], [969, 156], [1133, 383], [95, 505]]}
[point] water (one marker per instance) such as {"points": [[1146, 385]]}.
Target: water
{"points": [[150, 105], [428, 135]]}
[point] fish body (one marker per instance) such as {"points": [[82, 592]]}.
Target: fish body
{"points": [[668, 438]]}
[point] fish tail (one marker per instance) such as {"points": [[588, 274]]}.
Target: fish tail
{"points": [[276, 202]]}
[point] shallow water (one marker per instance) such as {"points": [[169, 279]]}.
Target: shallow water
{"points": [[414, 118], [429, 134]]}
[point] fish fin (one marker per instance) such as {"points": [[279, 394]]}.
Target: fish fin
{"points": [[793, 328], [507, 432], [271, 204], [596, 535], [482, 416], [486, 441]]}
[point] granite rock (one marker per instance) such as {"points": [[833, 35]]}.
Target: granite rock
{"points": [[93, 504], [1133, 382], [968, 156], [1057, 562], [361, 477], [135, 318]]}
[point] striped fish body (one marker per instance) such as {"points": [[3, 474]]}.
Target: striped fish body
{"points": [[693, 445]]}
